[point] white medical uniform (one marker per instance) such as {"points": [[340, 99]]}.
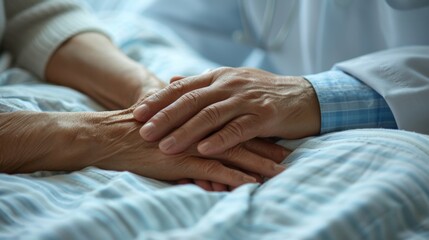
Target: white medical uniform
{"points": [[347, 33]]}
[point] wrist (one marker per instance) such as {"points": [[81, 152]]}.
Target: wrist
{"points": [[312, 116], [141, 84], [68, 141], [116, 140], [301, 116], [77, 142], [101, 139], [85, 137]]}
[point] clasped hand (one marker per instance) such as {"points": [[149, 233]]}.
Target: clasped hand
{"points": [[244, 163], [222, 108]]}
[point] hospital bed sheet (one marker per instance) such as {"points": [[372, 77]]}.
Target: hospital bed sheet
{"points": [[360, 184]]}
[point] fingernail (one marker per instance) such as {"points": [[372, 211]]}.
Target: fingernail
{"points": [[278, 168], [249, 179], [204, 148], [147, 130], [140, 111], [166, 144]]}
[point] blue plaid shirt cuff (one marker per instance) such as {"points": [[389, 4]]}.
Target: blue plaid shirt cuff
{"points": [[347, 103]]}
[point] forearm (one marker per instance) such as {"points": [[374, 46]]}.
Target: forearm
{"points": [[33, 141], [90, 63]]}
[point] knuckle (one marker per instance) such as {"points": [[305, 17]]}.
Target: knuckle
{"points": [[247, 73], [164, 115], [191, 98], [154, 97], [223, 139], [235, 129], [147, 98], [211, 114], [230, 135], [235, 153], [223, 69], [233, 82], [178, 87], [211, 167], [223, 73], [150, 92]]}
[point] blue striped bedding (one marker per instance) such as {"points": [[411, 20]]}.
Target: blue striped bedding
{"points": [[360, 184]]}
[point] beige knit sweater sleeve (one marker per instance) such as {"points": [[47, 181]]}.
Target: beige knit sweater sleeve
{"points": [[36, 28]]}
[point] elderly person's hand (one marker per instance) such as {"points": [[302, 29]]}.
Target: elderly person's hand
{"points": [[146, 159], [111, 140], [227, 106]]}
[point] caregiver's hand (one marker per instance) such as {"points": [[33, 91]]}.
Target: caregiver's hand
{"points": [[230, 106]]}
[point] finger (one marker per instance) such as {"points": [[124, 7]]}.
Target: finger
{"points": [[184, 181], [267, 149], [206, 185], [179, 112], [154, 103], [176, 78], [244, 159], [237, 131], [218, 187], [209, 119], [258, 177], [212, 170]]}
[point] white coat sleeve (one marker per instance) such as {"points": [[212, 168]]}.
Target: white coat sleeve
{"points": [[401, 76]]}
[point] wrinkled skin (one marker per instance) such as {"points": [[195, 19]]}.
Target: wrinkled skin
{"points": [[111, 140], [228, 106]]}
